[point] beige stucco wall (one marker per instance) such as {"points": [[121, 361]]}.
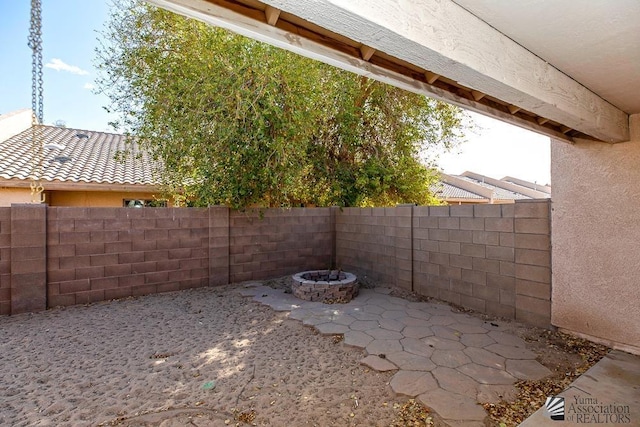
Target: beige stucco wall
{"points": [[14, 195], [596, 240], [93, 198]]}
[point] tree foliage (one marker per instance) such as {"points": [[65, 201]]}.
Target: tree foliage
{"points": [[241, 123]]}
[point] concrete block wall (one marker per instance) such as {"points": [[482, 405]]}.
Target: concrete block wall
{"points": [[375, 242], [465, 255], [97, 254], [28, 258], [5, 260], [276, 242], [491, 258], [218, 246], [533, 262]]}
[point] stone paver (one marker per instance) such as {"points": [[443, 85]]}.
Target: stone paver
{"points": [[468, 328], [453, 406], [483, 357], [331, 328], [300, 314], [343, 319], [476, 340], [373, 309], [378, 364], [455, 382], [314, 321], [411, 321], [412, 383], [417, 332], [439, 320], [363, 325], [485, 375], [417, 347], [394, 314], [511, 352], [527, 369], [411, 362], [383, 347], [450, 361], [384, 334], [391, 324], [491, 393], [507, 339], [446, 333], [442, 343], [417, 313], [450, 358], [364, 316], [357, 339]]}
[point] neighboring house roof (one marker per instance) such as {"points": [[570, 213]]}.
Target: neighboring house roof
{"points": [[475, 188], [498, 192], [77, 156], [445, 191], [526, 184]]}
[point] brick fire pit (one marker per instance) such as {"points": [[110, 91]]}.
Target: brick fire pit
{"points": [[328, 286]]}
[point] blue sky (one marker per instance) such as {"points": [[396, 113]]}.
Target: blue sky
{"points": [[70, 32], [69, 39]]}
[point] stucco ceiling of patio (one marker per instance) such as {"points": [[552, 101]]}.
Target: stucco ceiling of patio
{"points": [[597, 43], [561, 68]]}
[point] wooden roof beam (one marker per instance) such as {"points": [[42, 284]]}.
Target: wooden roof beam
{"points": [[513, 109], [477, 95], [431, 77], [470, 52], [367, 52], [272, 14]]}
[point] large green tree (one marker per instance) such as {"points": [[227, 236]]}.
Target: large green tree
{"points": [[241, 123]]}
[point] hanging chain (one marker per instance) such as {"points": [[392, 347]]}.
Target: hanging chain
{"points": [[37, 100]]}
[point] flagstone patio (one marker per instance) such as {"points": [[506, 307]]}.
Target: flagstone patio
{"points": [[449, 361]]}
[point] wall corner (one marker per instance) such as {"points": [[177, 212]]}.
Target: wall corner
{"points": [[28, 258], [219, 245], [634, 127]]}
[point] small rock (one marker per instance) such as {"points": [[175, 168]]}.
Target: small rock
{"points": [[209, 385]]}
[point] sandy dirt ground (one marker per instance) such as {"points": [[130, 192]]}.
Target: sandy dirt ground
{"points": [[210, 357], [203, 357]]}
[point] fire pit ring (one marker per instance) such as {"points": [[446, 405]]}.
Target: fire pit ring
{"points": [[328, 286]]}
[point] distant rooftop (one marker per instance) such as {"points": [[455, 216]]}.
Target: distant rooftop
{"points": [[74, 155], [471, 187]]}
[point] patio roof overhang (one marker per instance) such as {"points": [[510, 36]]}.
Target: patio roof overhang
{"points": [[440, 49]]}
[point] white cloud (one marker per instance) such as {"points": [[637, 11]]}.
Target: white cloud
{"points": [[59, 65], [88, 86]]}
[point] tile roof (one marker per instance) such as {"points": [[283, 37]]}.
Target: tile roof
{"points": [[499, 193], [540, 189], [87, 156], [443, 190]]}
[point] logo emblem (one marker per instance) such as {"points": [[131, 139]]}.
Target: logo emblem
{"points": [[555, 408]]}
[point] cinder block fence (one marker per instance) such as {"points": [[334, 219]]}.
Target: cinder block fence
{"points": [[495, 259], [491, 258]]}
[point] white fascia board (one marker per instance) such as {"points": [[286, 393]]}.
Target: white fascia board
{"points": [[443, 38], [446, 39], [532, 185], [468, 186], [79, 186], [507, 186], [457, 200]]}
